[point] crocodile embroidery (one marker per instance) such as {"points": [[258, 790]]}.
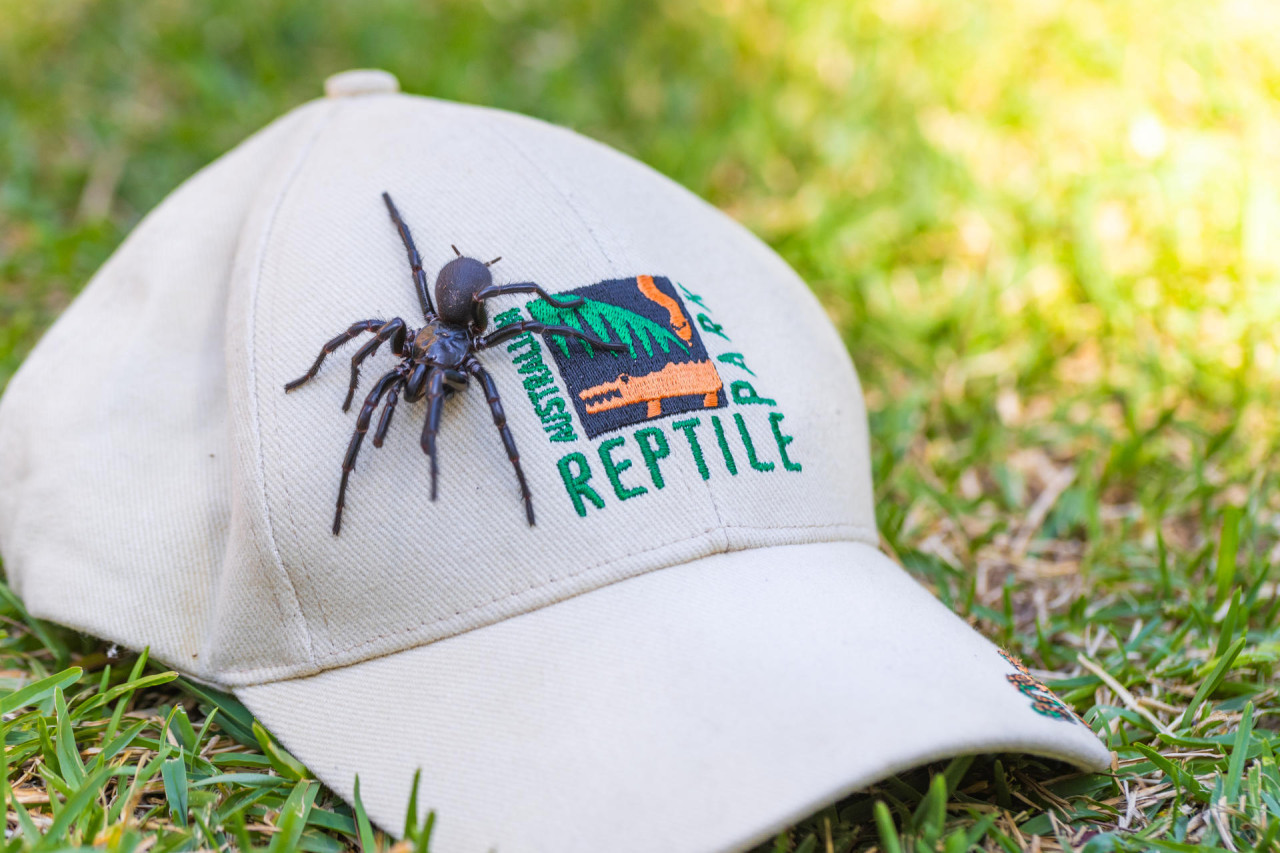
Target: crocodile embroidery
{"points": [[673, 380]]}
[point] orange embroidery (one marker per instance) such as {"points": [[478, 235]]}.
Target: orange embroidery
{"points": [[673, 380], [678, 321]]}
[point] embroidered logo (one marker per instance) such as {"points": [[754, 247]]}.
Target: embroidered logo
{"points": [[669, 369], [1042, 699]]}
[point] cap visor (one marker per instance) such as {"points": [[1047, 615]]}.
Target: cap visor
{"points": [[699, 707]]}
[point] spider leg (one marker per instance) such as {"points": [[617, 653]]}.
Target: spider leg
{"points": [[362, 426], [349, 334], [393, 394], [415, 260], [500, 421], [435, 407], [393, 329], [528, 287], [507, 332]]}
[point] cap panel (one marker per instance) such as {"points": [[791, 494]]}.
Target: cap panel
{"points": [[258, 622], [114, 449], [629, 718], [404, 569]]}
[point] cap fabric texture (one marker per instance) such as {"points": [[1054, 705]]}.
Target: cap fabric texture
{"points": [[699, 641]]}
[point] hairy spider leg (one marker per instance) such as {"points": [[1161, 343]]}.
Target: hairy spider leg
{"points": [[500, 421], [349, 334], [388, 379], [507, 332], [415, 260], [435, 407], [528, 287], [395, 330]]}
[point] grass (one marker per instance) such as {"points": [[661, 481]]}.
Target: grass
{"points": [[1046, 230]]}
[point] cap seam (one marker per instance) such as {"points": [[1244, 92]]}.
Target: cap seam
{"points": [[331, 108], [546, 177], [855, 533], [288, 522]]}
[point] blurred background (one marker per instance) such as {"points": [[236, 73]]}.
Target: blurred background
{"points": [[1049, 231], [1011, 204]]}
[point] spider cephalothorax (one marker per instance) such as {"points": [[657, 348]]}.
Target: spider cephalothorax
{"points": [[440, 357]]}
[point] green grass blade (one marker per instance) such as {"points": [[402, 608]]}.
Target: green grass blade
{"points": [[113, 747], [1239, 754], [70, 765], [363, 824], [931, 815], [423, 842], [293, 817], [1229, 621], [123, 691], [174, 773], [888, 832], [203, 734], [117, 713], [181, 729], [249, 780], [1211, 683], [411, 812], [283, 763], [37, 691], [75, 806], [25, 825], [1228, 543]]}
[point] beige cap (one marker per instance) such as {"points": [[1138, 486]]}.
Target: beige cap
{"points": [[696, 644]]}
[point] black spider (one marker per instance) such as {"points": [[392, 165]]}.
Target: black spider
{"points": [[438, 358]]}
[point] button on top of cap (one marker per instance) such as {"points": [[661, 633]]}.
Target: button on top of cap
{"points": [[361, 81]]}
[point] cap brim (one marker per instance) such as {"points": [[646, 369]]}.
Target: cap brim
{"points": [[700, 707]]}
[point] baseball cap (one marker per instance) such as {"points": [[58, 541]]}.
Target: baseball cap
{"points": [[698, 641]]}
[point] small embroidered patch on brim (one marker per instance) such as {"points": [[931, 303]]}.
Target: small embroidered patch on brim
{"points": [[1043, 701]]}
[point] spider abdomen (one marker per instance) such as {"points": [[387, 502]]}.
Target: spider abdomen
{"points": [[457, 283]]}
